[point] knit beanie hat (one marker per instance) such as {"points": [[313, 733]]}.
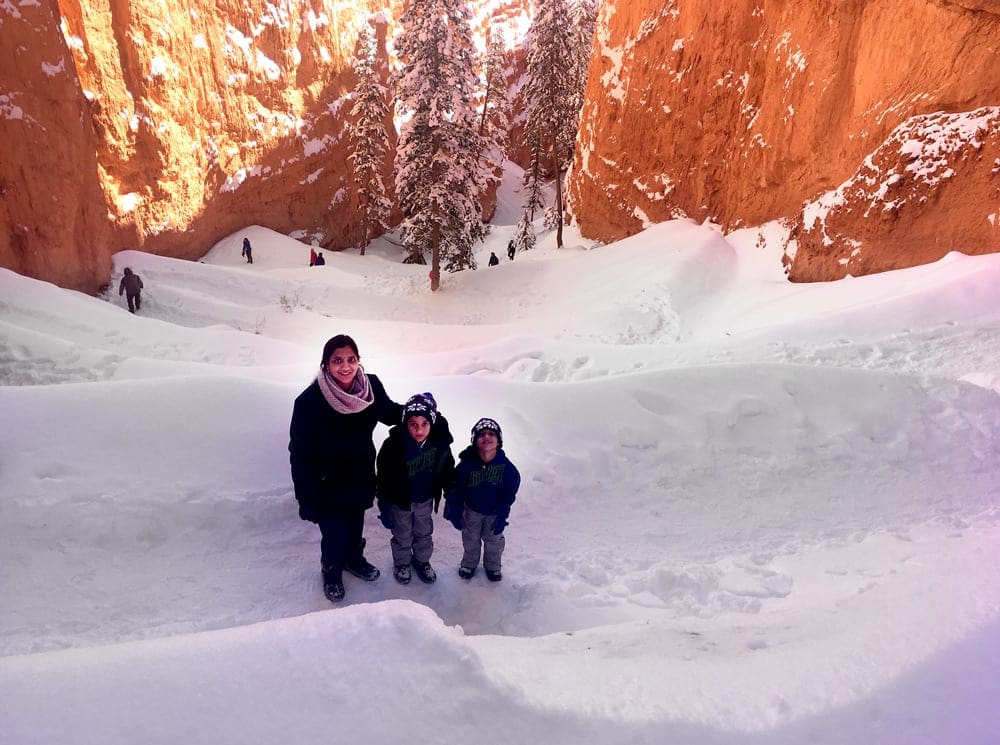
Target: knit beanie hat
{"points": [[487, 424], [420, 405]]}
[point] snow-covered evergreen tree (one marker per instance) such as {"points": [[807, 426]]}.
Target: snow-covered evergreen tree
{"points": [[438, 179], [583, 20], [548, 91], [524, 235], [494, 122], [369, 140]]}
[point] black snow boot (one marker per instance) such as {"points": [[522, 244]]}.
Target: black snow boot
{"points": [[425, 571], [333, 586], [362, 569]]}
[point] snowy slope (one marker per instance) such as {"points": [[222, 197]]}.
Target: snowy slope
{"points": [[751, 512]]}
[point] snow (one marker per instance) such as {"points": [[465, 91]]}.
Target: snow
{"points": [[158, 67], [9, 109], [53, 69], [751, 511], [928, 144]]}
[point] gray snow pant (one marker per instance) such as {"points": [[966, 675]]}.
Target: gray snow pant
{"points": [[412, 532], [479, 530]]}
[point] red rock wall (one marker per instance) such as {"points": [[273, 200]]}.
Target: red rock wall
{"points": [[163, 127], [744, 112]]}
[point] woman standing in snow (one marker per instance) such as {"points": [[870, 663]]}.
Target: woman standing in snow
{"points": [[333, 458]]}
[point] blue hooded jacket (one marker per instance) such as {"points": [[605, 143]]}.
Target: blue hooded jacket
{"points": [[487, 488]]}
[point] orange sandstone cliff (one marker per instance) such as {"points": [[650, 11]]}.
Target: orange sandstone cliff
{"points": [[165, 125], [870, 127]]}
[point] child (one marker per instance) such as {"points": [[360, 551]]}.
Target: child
{"points": [[414, 466], [486, 484]]}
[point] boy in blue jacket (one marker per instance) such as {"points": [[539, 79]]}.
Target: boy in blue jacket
{"points": [[486, 484], [414, 466]]}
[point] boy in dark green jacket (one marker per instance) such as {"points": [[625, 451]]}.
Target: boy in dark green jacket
{"points": [[414, 467]]}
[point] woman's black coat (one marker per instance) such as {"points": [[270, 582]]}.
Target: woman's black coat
{"points": [[332, 454]]}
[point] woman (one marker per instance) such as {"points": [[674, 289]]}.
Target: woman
{"points": [[333, 458]]}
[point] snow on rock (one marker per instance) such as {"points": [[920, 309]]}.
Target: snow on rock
{"points": [[876, 219], [758, 113]]}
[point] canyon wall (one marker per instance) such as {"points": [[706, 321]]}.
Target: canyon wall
{"points": [[870, 127], [163, 126]]}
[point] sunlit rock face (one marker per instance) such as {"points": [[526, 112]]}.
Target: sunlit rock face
{"points": [[163, 126], [822, 114]]}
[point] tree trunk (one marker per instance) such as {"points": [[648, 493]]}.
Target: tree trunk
{"points": [[436, 260], [364, 227], [558, 204], [482, 119], [559, 209]]}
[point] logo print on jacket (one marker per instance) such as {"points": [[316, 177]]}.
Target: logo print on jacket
{"points": [[490, 474], [423, 462]]}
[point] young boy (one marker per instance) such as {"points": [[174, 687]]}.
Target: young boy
{"points": [[414, 466], [486, 484]]}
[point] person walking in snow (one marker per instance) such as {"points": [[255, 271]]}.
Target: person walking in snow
{"points": [[247, 250], [312, 257], [510, 250], [493, 259], [131, 286], [486, 484], [414, 467], [320, 261], [332, 458]]}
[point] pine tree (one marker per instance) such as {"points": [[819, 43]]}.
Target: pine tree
{"points": [[369, 140], [524, 235], [548, 91], [532, 178], [494, 123], [438, 180], [583, 20]]}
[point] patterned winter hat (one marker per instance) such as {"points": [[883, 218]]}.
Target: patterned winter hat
{"points": [[487, 424], [420, 405]]}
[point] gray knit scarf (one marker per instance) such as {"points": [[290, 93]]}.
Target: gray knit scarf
{"points": [[358, 398]]}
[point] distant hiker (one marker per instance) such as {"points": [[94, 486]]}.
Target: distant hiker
{"points": [[486, 483], [320, 261], [333, 458], [247, 250], [510, 250], [131, 286], [493, 259], [414, 467], [312, 257]]}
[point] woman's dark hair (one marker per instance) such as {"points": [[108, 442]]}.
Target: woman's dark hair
{"points": [[340, 340]]}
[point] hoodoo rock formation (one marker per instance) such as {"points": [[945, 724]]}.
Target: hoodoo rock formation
{"points": [[871, 128]]}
